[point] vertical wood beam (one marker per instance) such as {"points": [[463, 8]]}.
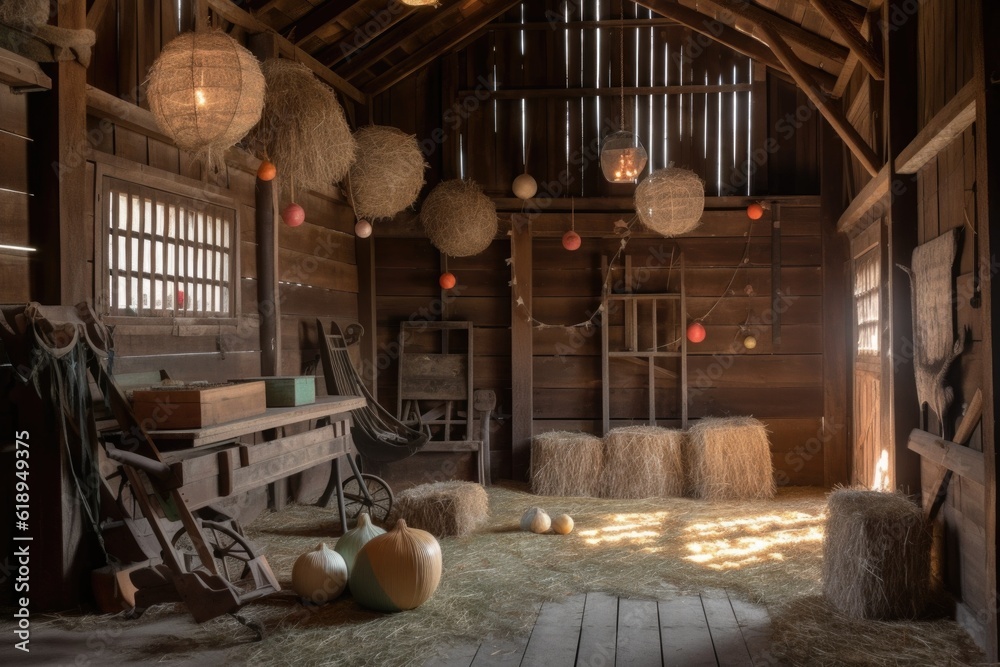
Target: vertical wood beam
{"points": [[521, 352], [267, 282], [986, 62], [833, 115], [897, 365], [365, 251]]}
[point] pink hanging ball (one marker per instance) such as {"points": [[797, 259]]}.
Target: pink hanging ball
{"points": [[363, 229], [293, 215], [571, 240], [696, 332]]}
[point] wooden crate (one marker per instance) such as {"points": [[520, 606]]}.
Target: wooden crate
{"points": [[195, 407], [287, 391]]}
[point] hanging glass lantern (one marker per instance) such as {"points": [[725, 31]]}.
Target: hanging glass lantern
{"points": [[622, 157]]}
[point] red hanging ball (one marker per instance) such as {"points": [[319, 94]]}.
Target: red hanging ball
{"points": [[293, 215], [447, 280], [696, 332], [755, 211], [571, 240]]}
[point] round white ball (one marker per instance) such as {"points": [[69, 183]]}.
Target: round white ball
{"points": [[525, 186]]}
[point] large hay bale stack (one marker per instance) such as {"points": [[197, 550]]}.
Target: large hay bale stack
{"points": [[443, 509], [566, 463], [729, 459], [876, 555], [642, 462]]}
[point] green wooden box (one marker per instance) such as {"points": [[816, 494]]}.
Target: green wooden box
{"points": [[286, 391]]}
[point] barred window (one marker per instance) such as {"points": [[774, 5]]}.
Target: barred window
{"points": [[168, 255], [866, 302]]}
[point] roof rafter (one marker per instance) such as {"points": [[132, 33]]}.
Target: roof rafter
{"points": [[360, 36], [305, 27], [860, 46]]}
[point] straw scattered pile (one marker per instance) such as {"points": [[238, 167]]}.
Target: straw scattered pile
{"points": [[728, 459], [24, 13], [387, 174], [876, 555], [459, 219], [303, 130], [566, 463], [443, 508], [642, 462], [769, 552], [670, 201]]}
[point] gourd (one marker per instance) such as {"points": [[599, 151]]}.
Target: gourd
{"points": [[319, 575], [350, 544], [563, 524], [541, 523], [529, 516], [397, 571]]}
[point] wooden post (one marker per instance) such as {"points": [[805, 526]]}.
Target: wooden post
{"points": [[267, 283], [986, 61], [776, 274], [897, 368], [365, 251], [521, 353]]}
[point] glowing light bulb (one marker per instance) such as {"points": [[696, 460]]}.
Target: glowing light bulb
{"points": [[199, 97]]}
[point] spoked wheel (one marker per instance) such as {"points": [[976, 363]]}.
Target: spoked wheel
{"points": [[355, 501], [229, 548]]}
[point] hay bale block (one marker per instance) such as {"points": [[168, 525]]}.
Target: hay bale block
{"points": [[566, 463], [443, 508], [642, 462], [729, 459], [876, 555]]}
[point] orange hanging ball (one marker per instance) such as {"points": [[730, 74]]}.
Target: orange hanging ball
{"points": [[267, 171], [293, 215], [447, 280], [755, 211], [571, 240], [696, 332]]}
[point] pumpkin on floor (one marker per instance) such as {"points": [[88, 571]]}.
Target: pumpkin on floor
{"points": [[351, 542], [397, 571], [319, 575]]}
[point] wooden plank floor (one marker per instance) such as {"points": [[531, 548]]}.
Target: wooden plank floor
{"points": [[599, 630]]}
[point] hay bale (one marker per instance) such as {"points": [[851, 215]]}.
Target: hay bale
{"points": [[729, 459], [565, 463], [303, 130], [443, 508], [670, 201], [24, 13], [459, 219], [876, 555], [388, 172], [642, 462]]}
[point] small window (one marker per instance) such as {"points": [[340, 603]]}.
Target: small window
{"points": [[866, 302], [167, 255]]}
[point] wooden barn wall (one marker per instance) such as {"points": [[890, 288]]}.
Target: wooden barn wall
{"points": [[945, 49], [14, 265]]}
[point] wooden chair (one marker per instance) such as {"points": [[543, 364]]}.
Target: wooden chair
{"points": [[436, 390]]}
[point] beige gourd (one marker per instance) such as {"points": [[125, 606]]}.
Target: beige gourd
{"points": [[319, 575], [563, 524]]}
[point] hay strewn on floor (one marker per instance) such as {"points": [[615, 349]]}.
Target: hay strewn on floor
{"points": [[566, 463], [767, 551], [730, 458], [642, 462], [876, 555], [443, 508]]}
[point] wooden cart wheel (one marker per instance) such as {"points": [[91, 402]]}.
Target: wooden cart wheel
{"points": [[355, 502], [232, 551]]}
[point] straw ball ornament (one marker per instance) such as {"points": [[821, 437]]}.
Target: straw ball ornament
{"points": [[206, 91], [24, 13], [670, 201], [302, 130], [524, 186], [388, 171], [459, 219]]}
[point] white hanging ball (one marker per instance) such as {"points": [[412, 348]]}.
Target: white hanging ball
{"points": [[363, 229], [524, 186]]}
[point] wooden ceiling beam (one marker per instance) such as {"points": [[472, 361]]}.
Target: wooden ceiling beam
{"points": [[869, 160], [393, 38], [238, 16], [440, 45], [861, 47], [758, 16], [360, 36], [305, 27], [728, 36]]}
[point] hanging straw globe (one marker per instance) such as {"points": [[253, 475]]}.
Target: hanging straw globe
{"points": [[459, 219], [303, 130], [206, 91], [670, 201], [24, 13], [387, 173], [622, 157]]}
